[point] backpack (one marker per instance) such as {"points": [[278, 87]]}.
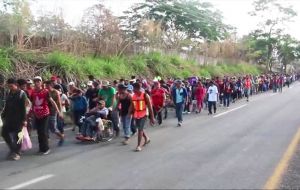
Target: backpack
{"points": [[80, 103]]}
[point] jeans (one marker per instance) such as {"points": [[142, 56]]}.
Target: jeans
{"points": [[60, 125], [52, 124], [158, 115], [77, 116], [179, 110], [274, 88], [126, 122], [41, 125], [115, 120], [88, 126], [11, 138], [210, 105], [226, 100], [247, 93]]}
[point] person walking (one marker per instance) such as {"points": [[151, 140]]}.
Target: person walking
{"points": [[199, 94], [212, 92], [125, 107], [41, 101], [179, 97], [13, 123], [247, 87], [55, 117], [228, 90], [158, 98], [141, 101]]}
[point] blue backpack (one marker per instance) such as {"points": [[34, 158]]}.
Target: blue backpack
{"points": [[80, 103]]}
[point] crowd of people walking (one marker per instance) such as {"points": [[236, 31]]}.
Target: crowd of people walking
{"points": [[35, 104]]}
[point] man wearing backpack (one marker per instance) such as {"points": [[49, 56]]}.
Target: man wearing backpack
{"points": [[80, 106], [13, 123], [179, 97]]}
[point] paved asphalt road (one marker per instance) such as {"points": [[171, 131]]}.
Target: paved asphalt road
{"points": [[238, 148]]}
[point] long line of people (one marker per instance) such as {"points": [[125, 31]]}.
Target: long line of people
{"points": [[98, 109]]}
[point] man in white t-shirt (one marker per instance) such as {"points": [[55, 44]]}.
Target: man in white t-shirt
{"points": [[212, 93]]}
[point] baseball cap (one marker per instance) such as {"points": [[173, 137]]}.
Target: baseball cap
{"points": [[53, 78], [71, 84], [37, 78], [90, 83]]}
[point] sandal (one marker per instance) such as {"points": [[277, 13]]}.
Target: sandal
{"points": [[147, 142]]}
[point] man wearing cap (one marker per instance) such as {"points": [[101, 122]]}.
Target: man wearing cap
{"points": [[179, 97], [108, 94], [40, 99]]}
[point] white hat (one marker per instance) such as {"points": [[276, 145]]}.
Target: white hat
{"points": [[105, 83], [37, 78], [71, 84]]}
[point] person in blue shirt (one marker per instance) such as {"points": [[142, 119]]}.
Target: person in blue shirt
{"points": [[179, 96]]}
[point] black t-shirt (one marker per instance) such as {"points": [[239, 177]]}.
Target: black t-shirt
{"points": [[90, 95], [125, 104], [15, 103]]}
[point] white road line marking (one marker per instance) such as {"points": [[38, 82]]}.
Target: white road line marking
{"points": [[224, 113], [33, 181], [2, 142]]}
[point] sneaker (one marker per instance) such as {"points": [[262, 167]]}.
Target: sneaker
{"points": [[179, 124], [16, 157], [47, 152], [138, 149], [126, 142], [189, 112]]}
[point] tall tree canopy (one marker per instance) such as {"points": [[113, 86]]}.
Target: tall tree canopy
{"points": [[192, 18]]}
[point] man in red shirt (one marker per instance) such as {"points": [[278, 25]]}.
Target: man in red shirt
{"points": [[41, 99], [158, 97], [247, 87]]}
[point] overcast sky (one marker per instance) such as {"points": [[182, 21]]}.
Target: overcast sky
{"points": [[234, 11]]}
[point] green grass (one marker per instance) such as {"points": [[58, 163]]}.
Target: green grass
{"points": [[144, 65], [5, 63]]}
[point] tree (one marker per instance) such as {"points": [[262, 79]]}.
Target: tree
{"points": [[179, 19], [51, 27], [102, 30], [272, 16], [288, 51], [18, 20]]}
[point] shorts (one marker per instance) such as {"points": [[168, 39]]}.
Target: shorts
{"points": [[52, 124], [140, 123]]}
